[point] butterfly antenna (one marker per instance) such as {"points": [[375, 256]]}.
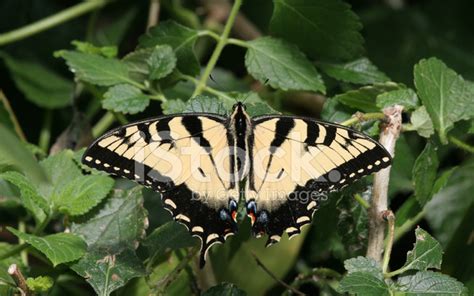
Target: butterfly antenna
{"points": [[212, 78]]}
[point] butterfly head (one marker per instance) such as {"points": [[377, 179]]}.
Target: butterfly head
{"points": [[239, 106]]}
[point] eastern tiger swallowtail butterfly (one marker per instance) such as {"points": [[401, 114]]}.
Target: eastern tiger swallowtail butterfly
{"points": [[200, 161]]}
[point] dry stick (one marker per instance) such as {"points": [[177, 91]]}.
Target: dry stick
{"points": [[19, 279], [153, 13], [292, 289], [378, 205]]}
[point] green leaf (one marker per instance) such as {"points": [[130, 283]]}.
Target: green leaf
{"points": [[173, 106], [430, 283], [283, 64], [112, 233], [13, 153], [39, 84], [205, 104], [363, 283], [82, 194], [364, 277], [421, 121], [161, 62], [86, 47], [447, 96], [442, 180], [137, 65], [125, 98], [427, 253], [29, 195], [8, 196], [170, 235], [424, 173], [59, 247], [448, 207], [96, 69], [40, 284], [224, 289], [180, 38], [61, 170], [363, 264], [364, 98], [405, 97], [106, 273], [321, 28], [359, 71], [118, 224], [334, 111]]}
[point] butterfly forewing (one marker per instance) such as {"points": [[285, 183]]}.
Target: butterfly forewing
{"points": [[186, 159]]}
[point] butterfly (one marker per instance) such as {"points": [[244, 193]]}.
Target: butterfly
{"points": [[203, 163]]}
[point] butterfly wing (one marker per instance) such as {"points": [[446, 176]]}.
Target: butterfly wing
{"points": [[295, 161], [183, 158]]}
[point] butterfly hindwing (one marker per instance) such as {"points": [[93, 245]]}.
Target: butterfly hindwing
{"points": [[176, 156], [297, 160]]}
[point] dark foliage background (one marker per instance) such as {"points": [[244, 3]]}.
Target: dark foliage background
{"points": [[97, 68]]}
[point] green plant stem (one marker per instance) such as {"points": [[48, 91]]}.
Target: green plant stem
{"points": [[408, 127], [238, 42], [103, 124], [120, 118], [461, 144], [359, 117], [388, 247], [219, 47], [396, 272], [45, 133], [211, 34], [408, 225], [361, 201], [24, 253], [51, 21]]}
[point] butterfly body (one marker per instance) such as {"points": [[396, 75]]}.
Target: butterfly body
{"points": [[198, 162]]}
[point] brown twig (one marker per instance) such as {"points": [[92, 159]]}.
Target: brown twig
{"points": [[19, 279], [153, 13], [292, 289], [379, 204]]}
